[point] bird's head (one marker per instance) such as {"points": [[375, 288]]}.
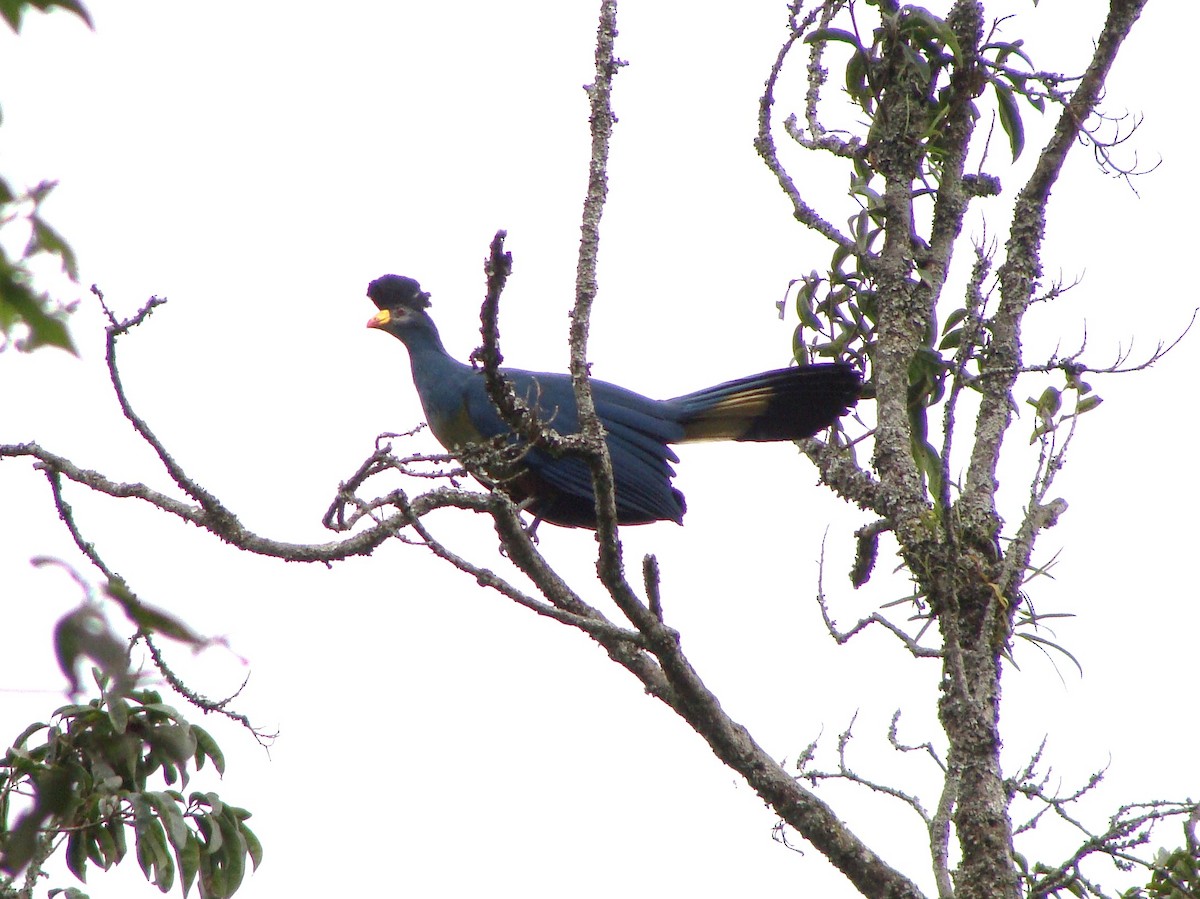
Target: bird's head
{"points": [[402, 306]]}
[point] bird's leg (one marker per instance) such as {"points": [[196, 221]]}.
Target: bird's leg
{"points": [[531, 530]]}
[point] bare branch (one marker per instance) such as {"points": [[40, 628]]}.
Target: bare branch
{"points": [[601, 122], [926, 747], [846, 772], [843, 637], [1070, 365], [939, 835], [650, 578], [115, 330], [230, 530], [67, 515], [673, 679], [764, 142], [515, 410], [217, 706]]}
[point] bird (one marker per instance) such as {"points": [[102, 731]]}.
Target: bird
{"points": [[784, 404]]}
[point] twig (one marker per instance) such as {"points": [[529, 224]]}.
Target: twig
{"points": [[843, 637], [764, 141], [218, 706]]}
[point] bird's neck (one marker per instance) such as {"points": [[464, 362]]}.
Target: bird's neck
{"points": [[430, 361], [425, 342]]}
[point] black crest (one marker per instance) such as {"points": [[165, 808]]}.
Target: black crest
{"points": [[391, 291]]}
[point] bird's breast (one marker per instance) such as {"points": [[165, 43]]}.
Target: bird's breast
{"points": [[452, 427]]}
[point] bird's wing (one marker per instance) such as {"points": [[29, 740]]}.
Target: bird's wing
{"points": [[638, 432]]}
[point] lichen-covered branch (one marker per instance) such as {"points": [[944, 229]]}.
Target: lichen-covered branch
{"points": [[764, 141], [1021, 269], [600, 123], [918, 80]]}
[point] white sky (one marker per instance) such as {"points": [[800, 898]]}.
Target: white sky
{"points": [[260, 163]]}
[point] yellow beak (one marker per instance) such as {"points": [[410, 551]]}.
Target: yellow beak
{"points": [[379, 319]]}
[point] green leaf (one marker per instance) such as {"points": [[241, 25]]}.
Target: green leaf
{"points": [[77, 853], [54, 796], [211, 831], [188, 858], [151, 847], [176, 742], [159, 711], [171, 816], [798, 346], [74, 710], [44, 239], [207, 746], [929, 461], [214, 803], [116, 758], [29, 732], [18, 302], [1042, 642], [954, 318], [212, 877], [1049, 403], [84, 633], [929, 30], [253, 846], [1010, 118], [116, 830], [834, 34], [235, 851], [856, 80], [14, 10], [142, 819], [918, 62], [952, 341], [94, 852], [151, 618], [118, 713], [11, 10], [1006, 49], [804, 303], [105, 847]]}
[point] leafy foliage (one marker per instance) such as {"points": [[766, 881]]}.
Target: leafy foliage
{"points": [[14, 11], [20, 304], [917, 56], [87, 785], [88, 780], [915, 88], [1176, 876]]}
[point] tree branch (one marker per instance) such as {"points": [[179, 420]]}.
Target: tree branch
{"points": [[226, 527], [764, 142], [1018, 275]]}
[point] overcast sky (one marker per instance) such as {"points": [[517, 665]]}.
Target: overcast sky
{"points": [[259, 163]]}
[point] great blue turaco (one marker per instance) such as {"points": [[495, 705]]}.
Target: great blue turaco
{"points": [[785, 404]]}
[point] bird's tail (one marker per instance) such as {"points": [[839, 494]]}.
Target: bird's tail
{"points": [[786, 404]]}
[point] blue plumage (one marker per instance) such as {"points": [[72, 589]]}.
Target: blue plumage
{"points": [[786, 404]]}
